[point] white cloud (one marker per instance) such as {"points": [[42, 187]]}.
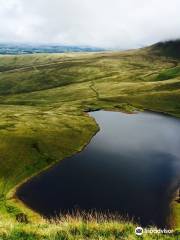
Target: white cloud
{"points": [[106, 23]]}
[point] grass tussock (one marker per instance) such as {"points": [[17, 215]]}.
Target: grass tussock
{"points": [[81, 226]]}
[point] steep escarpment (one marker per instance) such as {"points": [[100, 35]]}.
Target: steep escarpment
{"points": [[167, 48]]}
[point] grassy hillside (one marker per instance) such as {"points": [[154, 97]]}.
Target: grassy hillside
{"points": [[43, 100]]}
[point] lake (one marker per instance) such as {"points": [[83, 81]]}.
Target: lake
{"points": [[130, 167]]}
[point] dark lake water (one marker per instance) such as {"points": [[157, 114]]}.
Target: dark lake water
{"points": [[131, 166]]}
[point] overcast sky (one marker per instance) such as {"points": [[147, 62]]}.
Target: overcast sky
{"points": [[103, 23]]}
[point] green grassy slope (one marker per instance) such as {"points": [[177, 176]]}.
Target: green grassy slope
{"points": [[43, 100]]}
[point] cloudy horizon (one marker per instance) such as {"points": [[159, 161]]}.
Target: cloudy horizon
{"points": [[99, 23]]}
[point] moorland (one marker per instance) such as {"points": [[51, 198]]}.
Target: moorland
{"points": [[44, 100]]}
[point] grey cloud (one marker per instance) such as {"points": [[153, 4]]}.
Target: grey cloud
{"points": [[105, 23]]}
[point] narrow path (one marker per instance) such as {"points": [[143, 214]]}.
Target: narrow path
{"points": [[92, 86]]}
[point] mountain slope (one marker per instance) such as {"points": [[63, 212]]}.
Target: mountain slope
{"points": [[168, 48]]}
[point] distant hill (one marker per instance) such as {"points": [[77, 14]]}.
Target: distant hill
{"points": [[30, 49], [168, 48]]}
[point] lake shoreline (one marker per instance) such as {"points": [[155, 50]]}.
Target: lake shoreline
{"points": [[53, 165], [11, 195]]}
